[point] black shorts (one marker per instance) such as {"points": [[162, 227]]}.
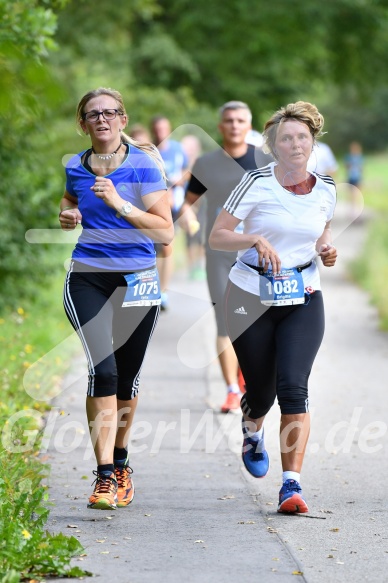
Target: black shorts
{"points": [[218, 266], [276, 347], [115, 339]]}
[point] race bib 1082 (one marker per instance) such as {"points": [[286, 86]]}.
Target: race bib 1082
{"points": [[283, 289]]}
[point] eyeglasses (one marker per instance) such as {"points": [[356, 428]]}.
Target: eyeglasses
{"points": [[94, 116]]}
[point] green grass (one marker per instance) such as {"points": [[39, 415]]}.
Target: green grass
{"points": [[27, 551], [375, 188], [370, 270]]}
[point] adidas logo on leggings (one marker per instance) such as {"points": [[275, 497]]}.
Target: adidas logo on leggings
{"points": [[241, 311]]}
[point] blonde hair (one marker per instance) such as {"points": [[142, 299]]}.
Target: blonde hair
{"points": [[301, 111], [149, 149]]}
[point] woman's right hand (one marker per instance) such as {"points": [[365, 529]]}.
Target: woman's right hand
{"points": [[267, 254], [69, 219]]}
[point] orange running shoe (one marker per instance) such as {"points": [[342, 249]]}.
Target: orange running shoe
{"points": [[232, 401], [126, 489], [104, 496], [241, 381]]}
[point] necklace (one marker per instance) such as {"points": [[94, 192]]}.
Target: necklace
{"points": [[107, 156]]}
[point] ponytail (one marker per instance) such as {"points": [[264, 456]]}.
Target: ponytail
{"points": [[148, 148]]}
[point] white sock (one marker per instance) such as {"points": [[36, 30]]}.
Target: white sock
{"points": [[291, 476], [257, 436], [234, 388], [254, 435]]}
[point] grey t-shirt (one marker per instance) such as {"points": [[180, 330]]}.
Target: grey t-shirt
{"points": [[216, 174]]}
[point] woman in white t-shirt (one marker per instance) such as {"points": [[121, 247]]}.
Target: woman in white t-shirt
{"points": [[273, 303]]}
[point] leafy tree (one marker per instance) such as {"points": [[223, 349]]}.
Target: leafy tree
{"points": [[28, 95], [267, 53]]}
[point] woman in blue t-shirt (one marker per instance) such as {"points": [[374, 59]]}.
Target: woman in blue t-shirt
{"points": [[116, 189]]}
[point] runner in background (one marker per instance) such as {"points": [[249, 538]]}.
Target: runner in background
{"points": [[195, 238], [322, 160], [354, 162], [140, 133], [214, 176], [175, 163]]}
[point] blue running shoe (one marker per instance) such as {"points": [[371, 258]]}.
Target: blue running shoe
{"points": [[291, 499], [256, 462]]}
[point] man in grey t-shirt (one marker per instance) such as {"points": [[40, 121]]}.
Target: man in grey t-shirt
{"points": [[215, 175]]}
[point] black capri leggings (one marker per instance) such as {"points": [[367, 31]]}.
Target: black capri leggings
{"points": [[115, 339], [276, 347]]}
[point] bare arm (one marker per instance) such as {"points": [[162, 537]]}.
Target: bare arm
{"points": [[69, 215], [224, 238], [325, 249], [188, 211]]}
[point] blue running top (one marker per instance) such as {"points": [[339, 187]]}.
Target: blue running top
{"points": [[108, 241]]}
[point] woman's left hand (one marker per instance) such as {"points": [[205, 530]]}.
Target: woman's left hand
{"points": [[328, 254], [104, 189]]}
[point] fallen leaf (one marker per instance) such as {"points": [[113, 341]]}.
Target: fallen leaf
{"points": [[104, 553], [147, 514], [199, 541], [72, 526], [271, 529], [330, 556], [275, 559], [100, 540], [297, 572], [269, 503], [334, 529]]}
